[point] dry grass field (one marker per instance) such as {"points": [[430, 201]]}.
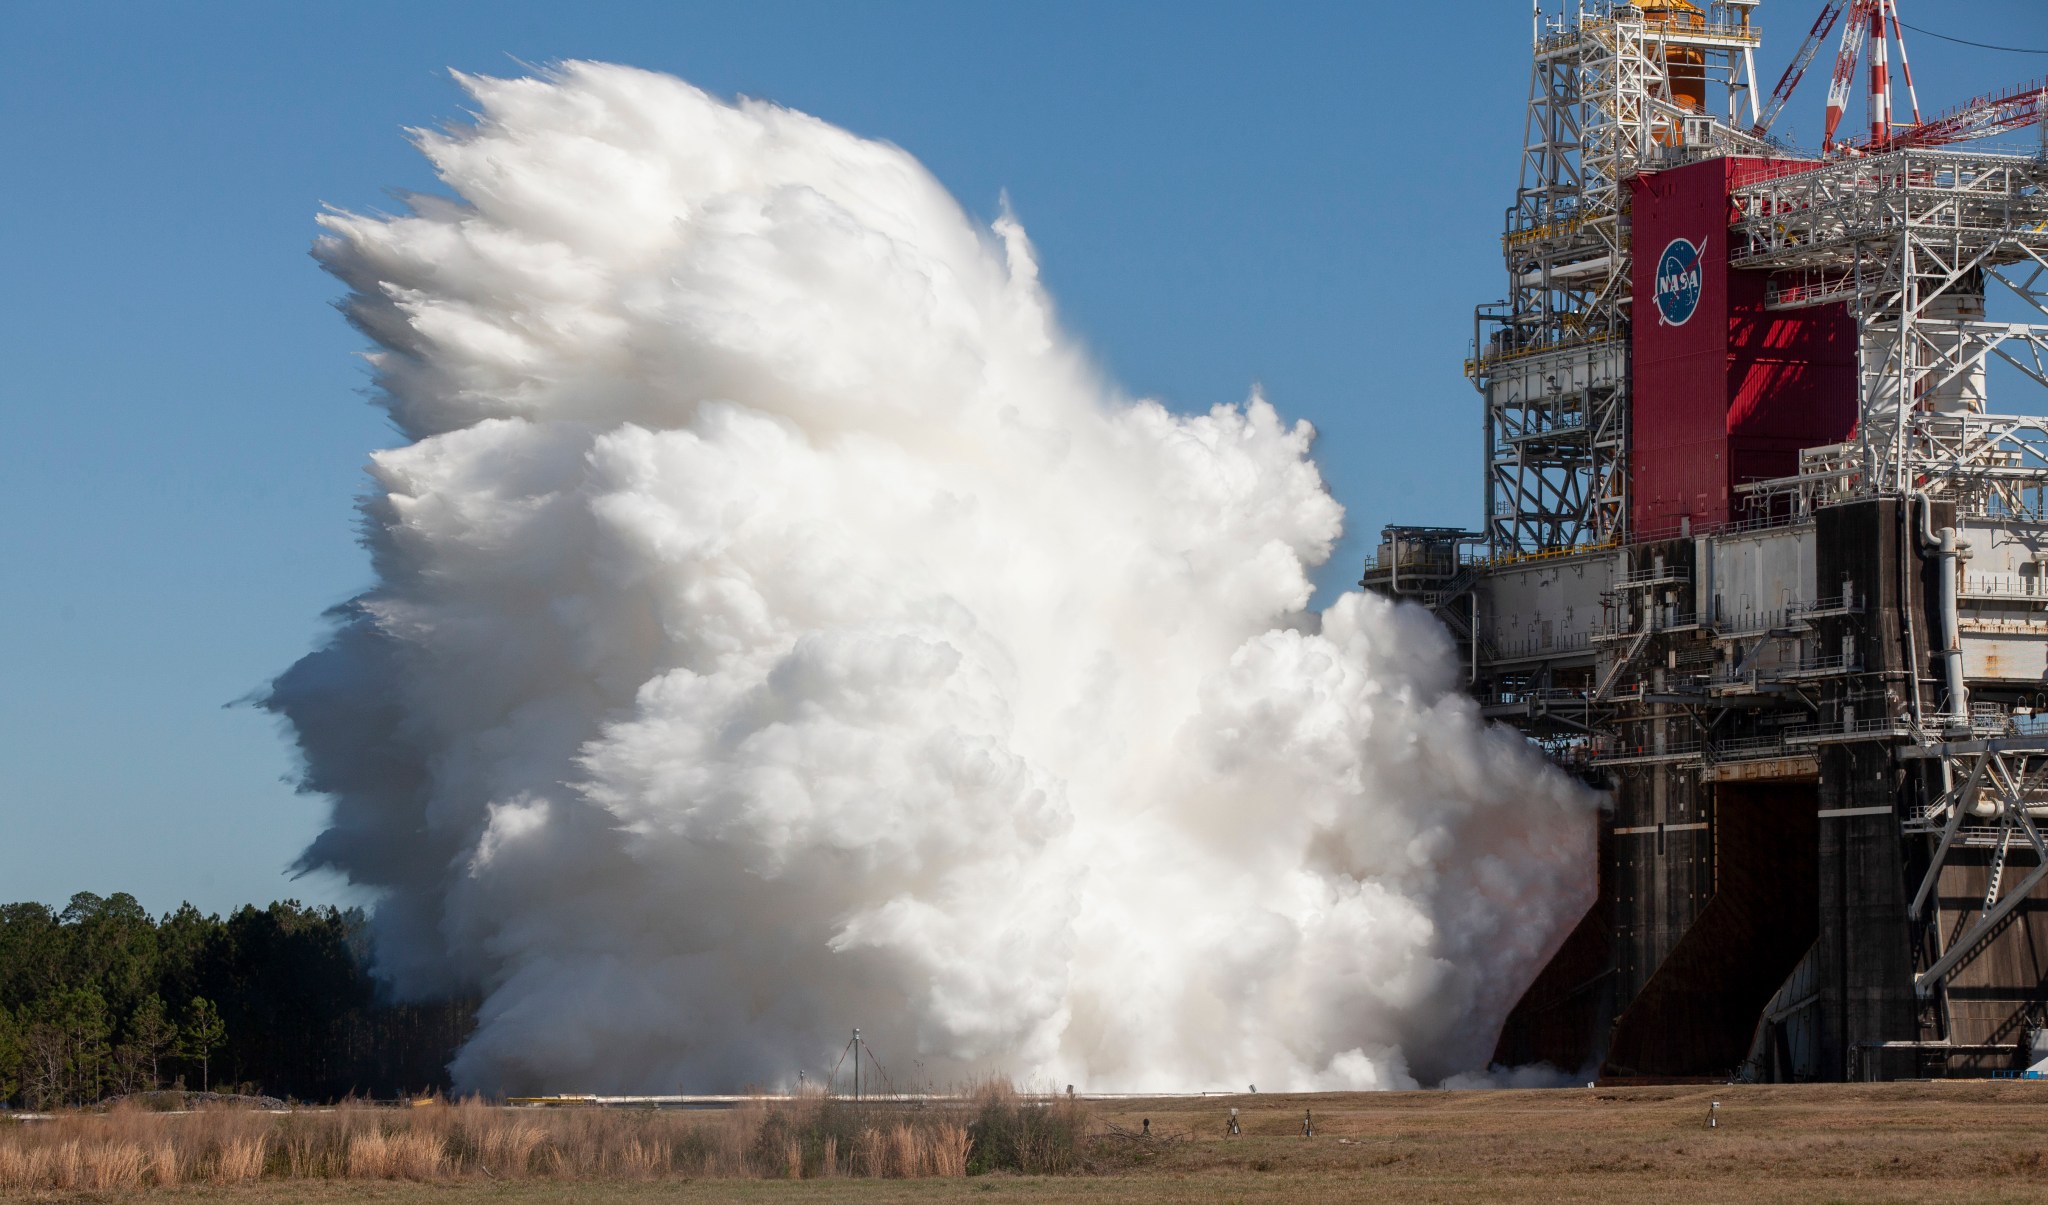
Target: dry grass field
{"points": [[1897, 1142]]}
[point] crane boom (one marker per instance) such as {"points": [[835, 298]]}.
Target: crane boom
{"points": [[1853, 34], [1983, 117], [1824, 24]]}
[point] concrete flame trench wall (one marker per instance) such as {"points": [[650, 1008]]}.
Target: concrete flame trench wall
{"points": [[1718, 880]]}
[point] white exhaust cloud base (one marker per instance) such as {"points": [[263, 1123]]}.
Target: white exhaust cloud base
{"points": [[780, 628]]}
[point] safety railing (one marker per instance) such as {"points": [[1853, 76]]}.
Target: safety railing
{"points": [[1757, 623], [1654, 575], [1533, 646], [1845, 603], [1524, 236], [1747, 748], [1486, 361], [1674, 529], [1659, 620], [1623, 753], [2005, 585], [1876, 728], [1547, 698]]}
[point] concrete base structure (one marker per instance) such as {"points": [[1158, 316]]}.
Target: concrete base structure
{"points": [[1763, 562], [1771, 711]]}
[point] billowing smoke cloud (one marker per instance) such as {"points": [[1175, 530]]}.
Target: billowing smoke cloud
{"points": [[780, 628]]}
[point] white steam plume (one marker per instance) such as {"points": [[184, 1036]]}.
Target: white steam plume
{"points": [[780, 628]]}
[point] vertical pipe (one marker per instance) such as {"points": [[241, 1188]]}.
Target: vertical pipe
{"points": [[1906, 594], [1880, 82], [1950, 549], [1475, 636], [1952, 653]]}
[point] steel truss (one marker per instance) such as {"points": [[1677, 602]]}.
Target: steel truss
{"points": [[1552, 360], [1915, 243], [1911, 242], [1998, 795]]}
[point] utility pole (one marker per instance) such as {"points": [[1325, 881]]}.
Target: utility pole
{"points": [[856, 1065]]}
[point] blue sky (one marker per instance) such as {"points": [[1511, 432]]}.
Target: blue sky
{"points": [[1306, 196]]}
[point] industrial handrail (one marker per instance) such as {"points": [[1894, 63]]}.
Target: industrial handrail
{"points": [[1547, 554], [1641, 752], [1547, 694], [1661, 26], [1656, 623], [1422, 562], [1531, 235], [1536, 644], [2004, 585], [1877, 726], [1747, 748], [1841, 662], [1804, 667], [1677, 529], [1485, 360], [1654, 574], [1756, 623], [1844, 603]]}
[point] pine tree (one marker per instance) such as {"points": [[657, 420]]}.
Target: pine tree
{"points": [[13, 1049], [68, 1056], [203, 1034], [152, 1034]]}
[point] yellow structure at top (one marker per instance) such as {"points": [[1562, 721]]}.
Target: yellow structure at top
{"points": [[1686, 68]]}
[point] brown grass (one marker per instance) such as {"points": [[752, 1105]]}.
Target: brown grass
{"points": [[163, 1163], [1935, 1142], [114, 1166], [240, 1159], [125, 1150], [406, 1154]]}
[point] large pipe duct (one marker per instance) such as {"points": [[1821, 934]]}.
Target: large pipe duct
{"points": [[1951, 549]]}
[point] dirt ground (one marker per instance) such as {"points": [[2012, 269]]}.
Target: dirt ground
{"points": [[1954, 1141]]}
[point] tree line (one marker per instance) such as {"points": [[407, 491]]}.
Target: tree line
{"points": [[101, 999]]}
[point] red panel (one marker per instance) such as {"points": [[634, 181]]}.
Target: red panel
{"points": [[1724, 392], [1679, 434], [1792, 374]]}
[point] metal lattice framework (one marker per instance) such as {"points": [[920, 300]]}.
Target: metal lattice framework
{"points": [[1911, 242], [1552, 360], [1996, 801]]}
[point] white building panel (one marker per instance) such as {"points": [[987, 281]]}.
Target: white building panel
{"points": [[1546, 605], [1758, 575]]}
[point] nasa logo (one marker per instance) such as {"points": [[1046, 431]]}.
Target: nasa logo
{"points": [[1678, 281]]}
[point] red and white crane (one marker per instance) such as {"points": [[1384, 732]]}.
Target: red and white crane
{"points": [[1830, 13], [1872, 26], [1853, 34]]}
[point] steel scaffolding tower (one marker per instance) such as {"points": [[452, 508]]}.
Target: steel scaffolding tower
{"points": [[1613, 89], [1819, 703], [1912, 241]]}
